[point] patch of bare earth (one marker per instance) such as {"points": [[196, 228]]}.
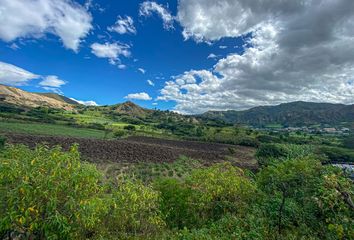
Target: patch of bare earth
{"points": [[145, 149]]}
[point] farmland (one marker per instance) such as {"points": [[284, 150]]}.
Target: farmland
{"points": [[144, 149]]}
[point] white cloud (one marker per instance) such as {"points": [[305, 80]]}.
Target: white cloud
{"points": [[297, 50], [151, 83], [123, 25], [33, 19], [112, 51], [138, 96], [15, 76], [86, 103], [142, 70], [155, 104], [52, 81], [149, 7], [222, 47], [212, 55], [122, 66]]}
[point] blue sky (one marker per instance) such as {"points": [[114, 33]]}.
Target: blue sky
{"points": [[161, 53], [199, 55]]}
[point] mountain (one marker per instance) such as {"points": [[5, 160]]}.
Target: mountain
{"points": [[287, 114], [18, 97], [60, 98], [130, 108]]}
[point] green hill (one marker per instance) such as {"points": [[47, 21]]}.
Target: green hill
{"points": [[287, 114]]}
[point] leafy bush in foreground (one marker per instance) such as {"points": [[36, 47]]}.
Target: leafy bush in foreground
{"points": [[49, 194], [206, 195], [46, 193]]}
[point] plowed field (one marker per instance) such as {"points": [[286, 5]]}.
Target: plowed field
{"points": [[145, 149]]}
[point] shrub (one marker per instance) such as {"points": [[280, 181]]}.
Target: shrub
{"points": [[268, 139], [2, 142], [134, 211], [119, 133], [248, 142], [129, 127], [271, 150], [337, 154], [48, 194], [206, 195]]}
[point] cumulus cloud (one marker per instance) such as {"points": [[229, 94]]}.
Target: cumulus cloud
{"points": [[86, 103], [147, 8], [151, 83], [297, 50], [138, 96], [112, 51], [123, 25], [15, 76], [33, 19]]}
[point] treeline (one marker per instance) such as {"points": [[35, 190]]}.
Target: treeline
{"points": [[50, 194]]}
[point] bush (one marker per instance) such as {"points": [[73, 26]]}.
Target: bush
{"points": [[206, 195], [119, 133], [271, 150], [48, 194], [2, 142], [134, 210], [248, 142], [337, 154], [268, 139], [129, 128]]}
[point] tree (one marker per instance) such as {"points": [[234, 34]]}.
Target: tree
{"points": [[290, 182]]}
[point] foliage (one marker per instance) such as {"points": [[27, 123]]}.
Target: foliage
{"points": [[2, 142], [46, 193], [206, 195], [119, 133], [348, 142], [337, 154], [133, 211], [49, 194], [130, 128], [49, 129]]}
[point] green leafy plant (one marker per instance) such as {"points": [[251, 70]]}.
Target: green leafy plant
{"points": [[47, 193]]}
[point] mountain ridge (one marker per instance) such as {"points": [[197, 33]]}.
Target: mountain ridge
{"points": [[297, 113]]}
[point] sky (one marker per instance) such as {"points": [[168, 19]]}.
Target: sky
{"points": [[189, 56]]}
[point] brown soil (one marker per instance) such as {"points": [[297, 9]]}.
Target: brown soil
{"points": [[144, 149]]}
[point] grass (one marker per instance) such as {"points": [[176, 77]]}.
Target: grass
{"points": [[49, 129], [148, 172]]}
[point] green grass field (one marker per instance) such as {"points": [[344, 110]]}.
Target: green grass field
{"points": [[49, 129]]}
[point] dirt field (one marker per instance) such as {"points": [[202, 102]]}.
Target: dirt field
{"points": [[144, 149]]}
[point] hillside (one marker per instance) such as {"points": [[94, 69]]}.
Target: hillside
{"points": [[287, 114], [59, 98], [18, 97]]}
